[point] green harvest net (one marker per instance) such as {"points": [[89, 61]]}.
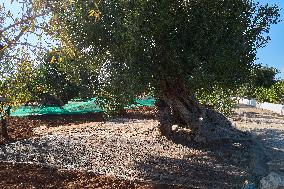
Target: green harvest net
{"points": [[73, 107]]}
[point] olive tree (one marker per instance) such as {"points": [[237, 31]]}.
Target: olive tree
{"points": [[169, 48], [58, 79]]}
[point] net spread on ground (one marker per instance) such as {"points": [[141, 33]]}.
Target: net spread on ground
{"points": [[73, 107]]}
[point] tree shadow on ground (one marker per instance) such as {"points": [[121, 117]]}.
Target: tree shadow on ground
{"points": [[20, 175], [258, 115], [225, 164], [231, 159], [139, 113], [28, 176], [191, 172], [273, 140], [259, 156], [22, 127], [59, 120]]}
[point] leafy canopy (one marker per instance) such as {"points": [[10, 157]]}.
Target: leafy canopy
{"points": [[133, 45]]}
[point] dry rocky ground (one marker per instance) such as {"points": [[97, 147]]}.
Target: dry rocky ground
{"points": [[267, 128], [128, 152]]}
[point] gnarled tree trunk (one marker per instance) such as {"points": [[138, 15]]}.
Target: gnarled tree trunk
{"points": [[178, 105], [165, 117]]}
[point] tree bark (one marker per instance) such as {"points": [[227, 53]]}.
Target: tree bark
{"points": [[4, 128], [164, 117], [181, 107]]}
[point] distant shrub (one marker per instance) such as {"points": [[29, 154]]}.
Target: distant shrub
{"points": [[217, 98], [274, 94]]}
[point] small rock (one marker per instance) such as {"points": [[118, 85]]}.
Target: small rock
{"points": [[174, 127], [272, 181]]}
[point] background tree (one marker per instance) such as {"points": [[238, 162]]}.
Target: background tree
{"points": [[264, 76], [15, 91], [56, 85], [19, 51], [169, 48], [260, 77]]}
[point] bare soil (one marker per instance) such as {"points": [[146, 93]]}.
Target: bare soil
{"points": [[267, 129]]}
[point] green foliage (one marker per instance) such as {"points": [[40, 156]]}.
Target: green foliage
{"points": [[279, 90], [218, 99], [261, 78], [274, 94], [17, 73], [134, 46], [53, 79], [15, 87], [265, 95]]}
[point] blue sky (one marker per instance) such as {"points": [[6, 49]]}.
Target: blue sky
{"points": [[273, 53]]}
